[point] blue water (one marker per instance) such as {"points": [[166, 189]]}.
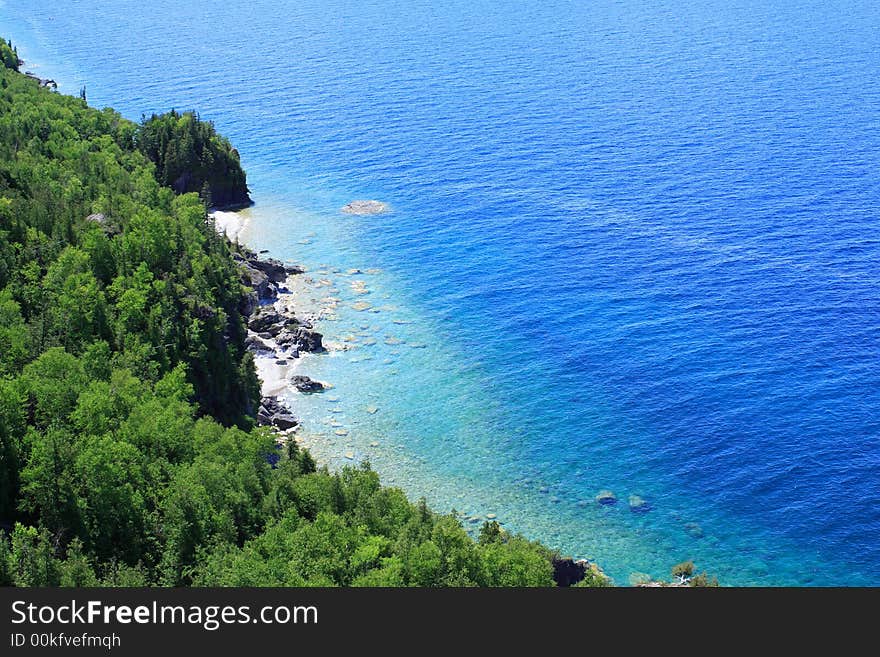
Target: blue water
{"points": [[634, 247]]}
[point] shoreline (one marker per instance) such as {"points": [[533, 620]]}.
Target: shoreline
{"points": [[277, 337], [281, 336]]}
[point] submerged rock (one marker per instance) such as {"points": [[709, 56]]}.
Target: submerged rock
{"points": [[364, 207], [693, 529], [637, 504], [640, 579], [606, 497]]}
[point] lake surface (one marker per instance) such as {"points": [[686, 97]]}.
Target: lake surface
{"points": [[633, 248]]}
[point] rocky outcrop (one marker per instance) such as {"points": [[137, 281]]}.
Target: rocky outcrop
{"points": [[257, 280], [275, 330], [275, 333], [305, 384], [286, 331], [248, 304], [567, 571], [48, 83], [274, 270], [254, 343], [274, 413], [264, 276], [302, 339], [265, 320], [106, 225]]}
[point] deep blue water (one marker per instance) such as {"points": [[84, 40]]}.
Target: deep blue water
{"points": [[635, 244]]}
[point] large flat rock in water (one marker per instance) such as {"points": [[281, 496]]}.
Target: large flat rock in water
{"points": [[365, 207]]}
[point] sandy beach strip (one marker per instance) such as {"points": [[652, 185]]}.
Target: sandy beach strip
{"points": [[231, 224]]}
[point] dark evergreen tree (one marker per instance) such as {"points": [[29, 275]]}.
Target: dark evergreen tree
{"points": [[191, 157]]}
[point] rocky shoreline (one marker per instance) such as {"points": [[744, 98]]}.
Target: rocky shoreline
{"points": [[48, 83], [276, 336]]}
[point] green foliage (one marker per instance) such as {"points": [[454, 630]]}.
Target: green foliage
{"points": [[48, 481], [514, 561], [31, 559], [684, 573], [191, 157], [594, 578], [703, 580], [52, 384], [340, 541], [110, 481], [76, 570], [12, 431], [6, 578], [683, 570], [14, 336], [94, 250], [9, 55]]}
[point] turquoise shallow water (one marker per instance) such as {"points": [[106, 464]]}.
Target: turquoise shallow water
{"points": [[632, 248]]}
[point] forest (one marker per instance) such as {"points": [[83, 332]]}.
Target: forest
{"points": [[129, 455]]}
